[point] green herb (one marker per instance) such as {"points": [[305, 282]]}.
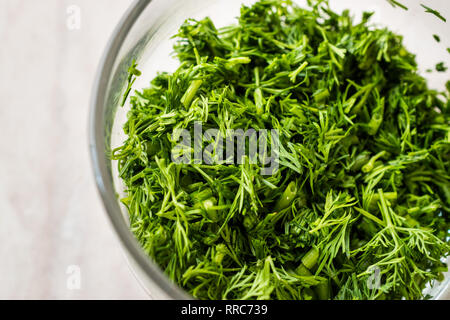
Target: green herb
{"points": [[440, 67], [397, 4], [437, 38], [434, 12], [364, 157], [132, 74]]}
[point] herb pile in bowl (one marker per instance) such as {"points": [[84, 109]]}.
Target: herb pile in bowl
{"points": [[358, 206]]}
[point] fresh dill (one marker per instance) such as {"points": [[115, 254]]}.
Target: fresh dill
{"points": [[397, 4], [363, 181], [440, 67], [433, 12]]}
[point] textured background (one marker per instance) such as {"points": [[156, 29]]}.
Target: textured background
{"points": [[50, 214]]}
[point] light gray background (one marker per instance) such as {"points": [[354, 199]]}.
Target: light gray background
{"points": [[51, 216]]}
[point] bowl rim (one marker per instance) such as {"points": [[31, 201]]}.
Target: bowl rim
{"points": [[99, 158]]}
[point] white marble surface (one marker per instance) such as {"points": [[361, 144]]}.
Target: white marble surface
{"points": [[50, 214]]}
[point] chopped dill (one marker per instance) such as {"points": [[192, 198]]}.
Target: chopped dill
{"points": [[364, 159]]}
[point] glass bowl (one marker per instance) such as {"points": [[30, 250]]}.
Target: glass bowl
{"points": [[144, 34]]}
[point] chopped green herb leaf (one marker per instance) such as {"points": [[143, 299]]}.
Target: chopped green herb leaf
{"points": [[434, 12], [132, 74], [440, 67], [395, 3]]}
